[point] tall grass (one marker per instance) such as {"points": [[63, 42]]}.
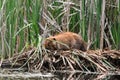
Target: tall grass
{"points": [[21, 22], [19, 25]]}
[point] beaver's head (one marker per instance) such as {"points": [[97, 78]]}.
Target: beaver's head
{"points": [[50, 43]]}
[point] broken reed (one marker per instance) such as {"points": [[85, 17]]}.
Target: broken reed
{"points": [[22, 20]]}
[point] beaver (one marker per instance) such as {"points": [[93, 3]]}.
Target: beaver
{"points": [[65, 41]]}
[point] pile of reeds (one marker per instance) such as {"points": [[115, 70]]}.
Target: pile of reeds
{"points": [[91, 60]]}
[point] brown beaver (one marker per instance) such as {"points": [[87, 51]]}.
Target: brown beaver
{"points": [[65, 41]]}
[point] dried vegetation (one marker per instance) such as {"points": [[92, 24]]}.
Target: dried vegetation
{"points": [[73, 60]]}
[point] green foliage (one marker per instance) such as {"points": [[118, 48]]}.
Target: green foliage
{"points": [[19, 24]]}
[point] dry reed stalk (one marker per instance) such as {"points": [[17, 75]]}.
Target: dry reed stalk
{"points": [[102, 23]]}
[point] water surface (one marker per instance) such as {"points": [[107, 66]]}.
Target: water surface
{"points": [[58, 75]]}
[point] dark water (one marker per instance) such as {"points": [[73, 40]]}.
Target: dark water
{"points": [[59, 75]]}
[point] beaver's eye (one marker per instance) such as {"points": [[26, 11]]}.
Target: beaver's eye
{"points": [[54, 39]]}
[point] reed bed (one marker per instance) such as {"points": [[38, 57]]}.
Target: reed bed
{"points": [[71, 60]]}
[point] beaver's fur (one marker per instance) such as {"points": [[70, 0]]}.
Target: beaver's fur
{"points": [[65, 41]]}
